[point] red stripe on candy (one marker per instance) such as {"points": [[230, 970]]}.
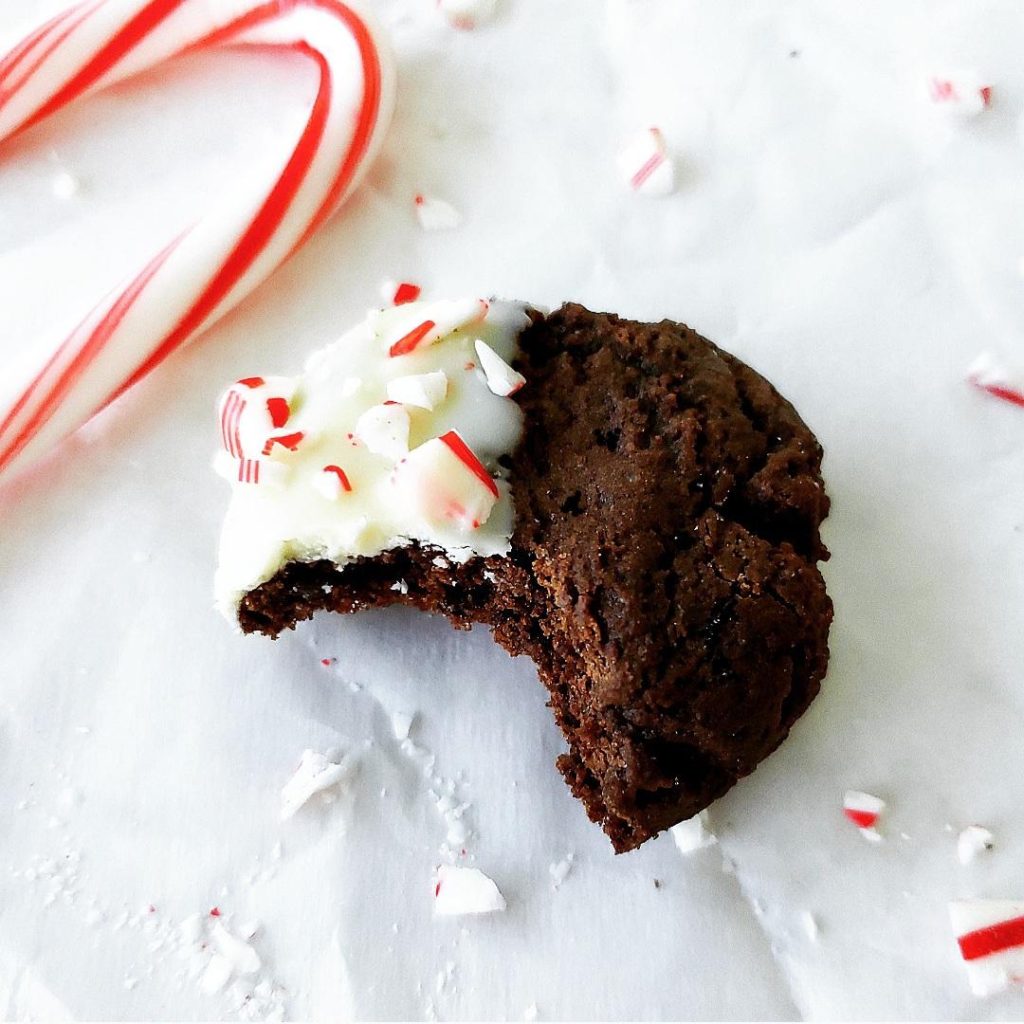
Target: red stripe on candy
{"points": [[408, 343], [862, 819], [652, 164], [289, 441], [341, 475], [279, 411], [252, 382], [1010, 395], [993, 939], [465, 455]]}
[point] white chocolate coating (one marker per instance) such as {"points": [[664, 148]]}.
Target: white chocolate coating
{"points": [[301, 510]]}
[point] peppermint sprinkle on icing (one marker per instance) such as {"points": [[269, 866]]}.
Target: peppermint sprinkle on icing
{"points": [[864, 810], [990, 935], [459, 891]]}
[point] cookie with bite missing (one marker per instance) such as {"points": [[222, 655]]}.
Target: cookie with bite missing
{"points": [[625, 503]]}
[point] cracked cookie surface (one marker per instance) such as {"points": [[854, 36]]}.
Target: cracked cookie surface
{"points": [[663, 569]]}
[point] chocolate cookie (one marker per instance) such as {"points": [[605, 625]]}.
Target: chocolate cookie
{"points": [[658, 561]]}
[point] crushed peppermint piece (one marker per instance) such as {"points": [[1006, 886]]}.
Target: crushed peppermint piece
{"points": [[439, 319], [646, 164], [400, 587], [990, 934], [991, 376], [398, 293], [459, 890], [401, 724], [332, 482], [973, 840], [466, 14], [445, 481], [502, 380], [435, 214], [65, 185], [314, 775], [242, 957], [530, 1013], [559, 870], [809, 923], [694, 833], [384, 429], [864, 810], [422, 390], [962, 93]]}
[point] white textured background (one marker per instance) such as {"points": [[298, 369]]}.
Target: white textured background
{"points": [[831, 228]]}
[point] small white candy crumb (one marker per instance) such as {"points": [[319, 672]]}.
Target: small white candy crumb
{"points": [[560, 870], [809, 923], [435, 214], [401, 724], [694, 834], [21, 805], [465, 891], [314, 775], [502, 380], [65, 185], [400, 587], [130, 982], [217, 974], [530, 1013], [466, 14], [242, 956], [646, 164], [83, 730], [973, 840]]}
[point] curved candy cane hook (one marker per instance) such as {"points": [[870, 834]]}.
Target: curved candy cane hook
{"points": [[208, 269]]}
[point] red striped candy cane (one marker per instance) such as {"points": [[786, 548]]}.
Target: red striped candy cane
{"points": [[210, 267]]}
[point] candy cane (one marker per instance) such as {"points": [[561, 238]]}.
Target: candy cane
{"points": [[211, 266]]}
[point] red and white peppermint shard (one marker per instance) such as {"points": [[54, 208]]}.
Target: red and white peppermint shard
{"points": [[647, 165], [973, 840], [332, 482], [502, 380], [988, 375], [198, 276], [960, 93], [439, 320], [398, 293], [446, 483], [990, 934], [460, 891], [863, 810]]}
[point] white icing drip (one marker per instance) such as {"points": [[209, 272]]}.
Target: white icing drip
{"points": [[296, 512]]}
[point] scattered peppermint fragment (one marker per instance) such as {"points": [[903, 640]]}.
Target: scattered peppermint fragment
{"points": [[987, 374], [693, 834], [962, 93], [863, 810], [332, 482], [809, 923], [398, 293], [459, 890], [990, 934], [646, 164], [251, 410], [65, 185], [384, 429], [501, 378], [559, 870], [242, 957], [422, 390], [400, 587], [314, 775], [447, 483], [530, 1013], [217, 974], [466, 14], [435, 214], [401, 724], [973, 840]]}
